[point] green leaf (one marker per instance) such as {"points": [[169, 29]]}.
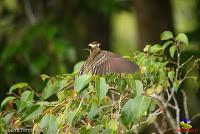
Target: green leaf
{"points": [[113, 124], [6, 100], [8, 118], [171, 75], [155, 48], [172, 50], [147, 48], [78, 66], [27, 96], [166, 35], [94, 111], [162, 76], [17, 86], [52, 87], [44, 77], [139, 58], [70, 117], [181, 37], [134, 110], [121, 84], [25, 100], [137, 87], [2, 126], [176, 85], [166, 44], [101, 87], [81, 82], [48, 124], [32, 112]]}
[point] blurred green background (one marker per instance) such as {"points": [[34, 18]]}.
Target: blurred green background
{"points": [[49, 36]]}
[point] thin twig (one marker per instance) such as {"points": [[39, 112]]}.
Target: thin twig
{"points": [[186, 61], [189, 70], [156, 113], [178, 59], [158, 128], [177, 114]]}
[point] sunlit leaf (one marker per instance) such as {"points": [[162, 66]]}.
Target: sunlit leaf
{"points": [[6, 101], [44, 77], [147, 48], [171, 75], [17, 86], [139, 58], [155, 48], [172, 51], [181, 37], [32, 112], [25, 100], [166, 35], [81, 82], [113, 124], [176, 85], [48, 124], [78, 66]]}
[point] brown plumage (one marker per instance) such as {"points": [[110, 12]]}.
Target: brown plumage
{"points": [[105, 62]]}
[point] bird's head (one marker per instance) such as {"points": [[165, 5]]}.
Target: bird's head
{"points": [[95, 47]]}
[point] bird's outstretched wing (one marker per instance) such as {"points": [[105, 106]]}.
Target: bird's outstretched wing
{"points": [[107, 62]]}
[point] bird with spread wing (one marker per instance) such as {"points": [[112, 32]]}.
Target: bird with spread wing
{"points": [[104, 62]]}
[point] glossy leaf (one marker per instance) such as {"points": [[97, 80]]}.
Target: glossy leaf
{"points": [[32, 112], [44, 77], [6, 101], [172, 51], [155, 48], [81, 82], [166, 35], [25, 100], [17, 86], [181, 37], [171, 75]]}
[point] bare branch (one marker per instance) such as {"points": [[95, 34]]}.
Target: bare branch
{"points": [[185, 104]]}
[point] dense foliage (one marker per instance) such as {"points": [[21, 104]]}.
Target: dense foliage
{"points": [[114, 103]]}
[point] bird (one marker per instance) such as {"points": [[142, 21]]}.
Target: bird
{"points": [[102, 62]]}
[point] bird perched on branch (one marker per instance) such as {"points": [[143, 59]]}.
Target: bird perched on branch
{"points": [[105, 62]]}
